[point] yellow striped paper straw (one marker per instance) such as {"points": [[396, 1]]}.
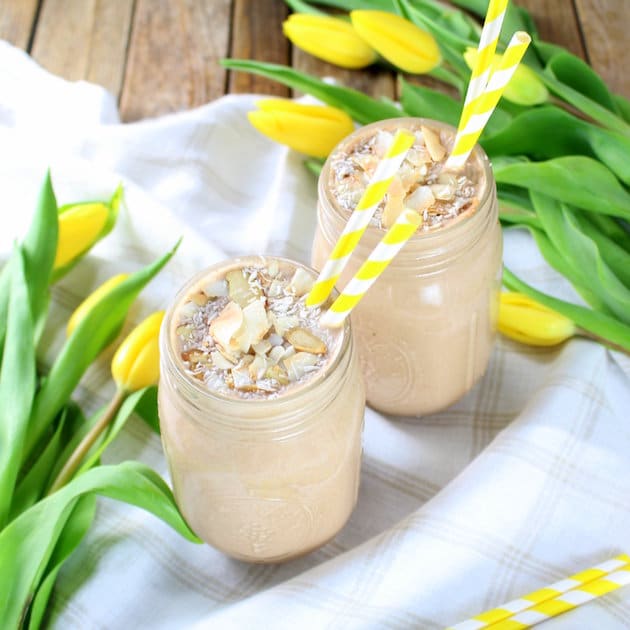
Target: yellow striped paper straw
{"points": [[532, 601], [483, 106], [567, 601], [485, 54], [360, 218], [404, 227]]}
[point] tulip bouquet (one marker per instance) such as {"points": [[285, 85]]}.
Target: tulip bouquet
{"points": [[49, 452], [559, 140]]}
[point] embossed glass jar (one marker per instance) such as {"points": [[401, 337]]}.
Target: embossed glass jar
{"points": [[426, 328], [263, 480]]}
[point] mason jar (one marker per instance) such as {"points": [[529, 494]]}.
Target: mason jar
{"points": [[263, 480], [426, 328]]}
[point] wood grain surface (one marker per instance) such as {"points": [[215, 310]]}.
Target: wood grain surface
{"points": [[159, 56]]}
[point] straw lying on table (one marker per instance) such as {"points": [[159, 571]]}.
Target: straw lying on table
{"points": [[554, 599], [360, 218], [484, 92]]}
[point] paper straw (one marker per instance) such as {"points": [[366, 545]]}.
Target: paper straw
{"points": [[485, 53], [557, 592], [395, 238], [483, 106], [360, 218]]}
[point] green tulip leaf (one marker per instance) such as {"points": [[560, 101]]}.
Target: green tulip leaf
{"points": [[298, 6], [28, 543], [423, 102], [599, 324], [357, 105], [612, 228], [577, 180], [577, 74], [623, 106], [87, 341], [147, 408], [582, 254], [79, 520], [17, 383], [564, 134], [119, 421]]}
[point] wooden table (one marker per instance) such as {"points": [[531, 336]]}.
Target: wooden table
{"points": [[161, 56]]}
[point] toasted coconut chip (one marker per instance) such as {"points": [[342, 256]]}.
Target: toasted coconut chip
{"points": [[239, 289], [218, 288], [298, 364], [304, 340], [199, 298], [420, 199], [278, 374], [275, 339], [255, 325], [242, 379], [273, 268], [433, 144], [301, 282], [394, 205], [221, 362], [187, 311], [275, 289], [282, 323], [262, 347], [258, 367], [444, 192], [185, 331], [276, 353], [289, 351], [227, 324]]}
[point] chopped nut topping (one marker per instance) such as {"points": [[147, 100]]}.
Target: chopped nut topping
{"points": [[251, 334], [421, 182], [302, 339]]}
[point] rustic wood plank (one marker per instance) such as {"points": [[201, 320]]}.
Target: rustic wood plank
{"points": [[84, 39], [257, 34], [373, 81], [557, 22], [605, 27], [17, 20], [173, 61]]}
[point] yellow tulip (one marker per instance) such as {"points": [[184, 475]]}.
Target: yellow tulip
{"points": [[524, 88], [399, 41], [311, 129], [81, 226], [330, 39], [529, 322], [136, 363], [96, 296]]}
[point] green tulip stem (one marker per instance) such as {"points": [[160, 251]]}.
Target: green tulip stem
{"points": [[79, 453], [587, 334]]}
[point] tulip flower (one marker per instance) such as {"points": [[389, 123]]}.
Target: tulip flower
{"points": [[399, 41], [311, 129], [330, 39], [524, 88], [81, 226], [91, 300], [529, 322], [136, 363]]}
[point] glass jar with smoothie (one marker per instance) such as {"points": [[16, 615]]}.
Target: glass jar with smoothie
{"points": [[425, 329], [261, 411]]}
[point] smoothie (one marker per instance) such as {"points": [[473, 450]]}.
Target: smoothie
{"points": [[426, 328], [261, 411]]}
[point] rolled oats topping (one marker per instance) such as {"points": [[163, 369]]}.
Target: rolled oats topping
{"points": [[421, 183], [250, 334]]}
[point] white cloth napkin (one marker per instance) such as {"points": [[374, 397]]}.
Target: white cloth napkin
{"points": [[524, 481]]}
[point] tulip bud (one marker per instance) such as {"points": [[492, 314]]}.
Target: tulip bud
{"points": [[81, 226], [524, 88], [311, 129], [330, 39], [399, 41], [136, 363], [88, 304], [529, 322]]}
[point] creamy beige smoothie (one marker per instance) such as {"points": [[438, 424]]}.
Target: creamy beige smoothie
{"points": [[261, 411], [426, 328]]}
